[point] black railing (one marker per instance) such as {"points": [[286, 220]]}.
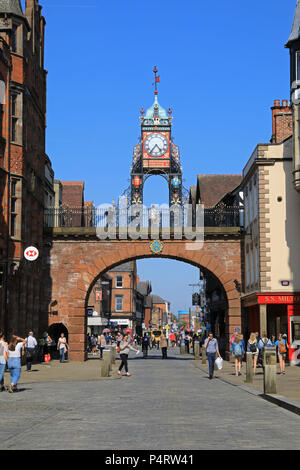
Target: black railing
{"points": [[147, 217]]}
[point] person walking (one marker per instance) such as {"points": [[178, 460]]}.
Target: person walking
{"points": [[187, 343], [102, 345], [252, 347], [211, 346], [164, 346], [3, 346], [62, 347], [31, 344], [145, 345], [13, 357], [238, 350], [281, 344], [124, 350]]}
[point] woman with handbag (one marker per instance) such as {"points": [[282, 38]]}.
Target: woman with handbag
{"points": [[13, 356], [102, 345], [124, 349]]}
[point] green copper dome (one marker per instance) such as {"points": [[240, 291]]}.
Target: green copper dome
{"points": [[11, 6]]}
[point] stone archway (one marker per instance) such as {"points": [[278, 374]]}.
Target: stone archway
{"points": [[76, 264]]}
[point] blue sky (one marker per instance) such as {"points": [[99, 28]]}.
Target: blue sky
{"points": [[221, 63]]}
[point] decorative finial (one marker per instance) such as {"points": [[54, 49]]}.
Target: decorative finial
{"points": [[156, 79]]}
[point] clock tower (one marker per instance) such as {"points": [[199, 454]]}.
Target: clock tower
{"points": [[156, 153]]}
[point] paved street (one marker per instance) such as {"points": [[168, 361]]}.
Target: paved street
{"points": [[164, 405]]}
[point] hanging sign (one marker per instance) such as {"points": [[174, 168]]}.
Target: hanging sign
{"points": [[31, 253]]}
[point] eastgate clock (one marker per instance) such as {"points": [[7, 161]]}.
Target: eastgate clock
{"points": [[156, 145]]}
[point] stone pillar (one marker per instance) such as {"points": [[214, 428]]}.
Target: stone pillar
{"points": [[107, 357], [196, 351], [249, 368], [203, 355], [270, 385], [263, 319], [182, 348], [104, 369], [113, 350]]}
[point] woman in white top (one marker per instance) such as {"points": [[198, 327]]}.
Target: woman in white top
{"points": [[13, 357], [62, 347], [3, 346]]}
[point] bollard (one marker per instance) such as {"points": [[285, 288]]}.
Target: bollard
{"points": [[182, 348], [249, 368], [113, 351], [196, 351], [104, 369], [203, 355], [107, 357], [269, 358]]}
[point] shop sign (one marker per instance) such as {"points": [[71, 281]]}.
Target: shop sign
{"points": [[279, 299], [31, 253]]}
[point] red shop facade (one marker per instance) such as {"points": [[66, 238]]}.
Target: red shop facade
{"points": [[273, 314]]}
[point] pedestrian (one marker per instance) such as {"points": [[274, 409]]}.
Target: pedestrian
{"points": [[94, 344], [211, 346], [281, 351], [187, 343], [31, 344], [62, 347], [173, 339], [102, 345], [13, 357], [238, 350], [47, 345], [164, 346], [124, 350], [252, 348], [145, 345], [3, 346]]}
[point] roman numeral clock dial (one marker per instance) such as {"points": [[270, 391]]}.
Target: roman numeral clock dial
{"points": [[156, 145]]}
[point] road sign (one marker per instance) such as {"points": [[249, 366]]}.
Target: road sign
{"points": [[31, 253]]}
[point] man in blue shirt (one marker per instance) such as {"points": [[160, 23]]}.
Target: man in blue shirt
{"points": [[211, 346]]}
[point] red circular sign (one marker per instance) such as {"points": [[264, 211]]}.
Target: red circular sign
{"points": [[31, 253]]}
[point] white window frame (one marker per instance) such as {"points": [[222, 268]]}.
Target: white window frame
{"points": [[116, 303], [119, 287]]}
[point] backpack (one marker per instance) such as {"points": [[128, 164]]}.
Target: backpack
{"points": [[282, 347], [253, 347], [238, 349]]}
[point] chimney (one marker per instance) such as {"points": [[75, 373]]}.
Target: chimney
{"points": [[282, 121]]}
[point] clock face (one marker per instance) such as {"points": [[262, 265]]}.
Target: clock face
{"points": [[156, 145]]}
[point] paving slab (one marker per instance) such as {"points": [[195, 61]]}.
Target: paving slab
{"points": [[165, 405]]}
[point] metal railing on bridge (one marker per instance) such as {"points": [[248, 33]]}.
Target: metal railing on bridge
{"points": [[223, 216]]}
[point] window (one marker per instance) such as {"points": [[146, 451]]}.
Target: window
{"points": [[247, 270], [119, 303], [13, 208], [14, 38], [13, 225], [119, 281], [257, 263], [298, 66], [16, 118]]}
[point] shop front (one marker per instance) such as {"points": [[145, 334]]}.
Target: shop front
{"points": [[273, 314]]}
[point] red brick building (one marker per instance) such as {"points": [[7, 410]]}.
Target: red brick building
{"points": [[26, 176]]}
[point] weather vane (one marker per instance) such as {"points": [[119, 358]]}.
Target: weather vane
{"points": [[156, 79]]}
